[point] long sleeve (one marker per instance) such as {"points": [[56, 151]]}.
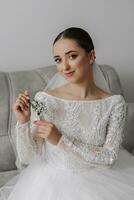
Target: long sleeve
{"points": [[25, 144], [104, 155]]}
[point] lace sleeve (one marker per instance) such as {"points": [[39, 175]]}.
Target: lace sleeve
{"points": [[25, 144], [107, 154]]}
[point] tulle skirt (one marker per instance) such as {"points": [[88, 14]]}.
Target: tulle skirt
{"points": [[42, 181]]}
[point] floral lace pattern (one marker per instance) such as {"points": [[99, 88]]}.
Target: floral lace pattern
{"points": [[91, 131]]}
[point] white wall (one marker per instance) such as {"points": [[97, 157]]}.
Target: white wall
{"points": [[28, 28]]}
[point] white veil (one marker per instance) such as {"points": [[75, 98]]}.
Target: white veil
{"points": [[58, 80]]}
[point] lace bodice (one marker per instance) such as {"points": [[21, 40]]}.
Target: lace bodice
{"points": [[91, 131]]}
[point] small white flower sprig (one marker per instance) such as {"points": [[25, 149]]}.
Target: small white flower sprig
{"points": [[38, 107]]}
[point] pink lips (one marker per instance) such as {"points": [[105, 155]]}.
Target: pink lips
{"points": [[69, 74]]}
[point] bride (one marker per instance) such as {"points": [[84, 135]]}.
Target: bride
{"points": [[71, 136]]}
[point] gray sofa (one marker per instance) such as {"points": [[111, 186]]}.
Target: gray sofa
{"points": [[12, 83]]}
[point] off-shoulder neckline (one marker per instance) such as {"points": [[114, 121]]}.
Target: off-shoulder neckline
{"points": [[71, 100]]}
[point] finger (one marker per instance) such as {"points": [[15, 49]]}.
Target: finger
{"points": [[25, 96], [26, 92], [20, 101], [43, 129], [19, 104], [42, 135], [41, 122], [25, 100]]}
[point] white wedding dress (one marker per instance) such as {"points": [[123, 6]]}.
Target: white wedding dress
{"points": [[88, 163]]}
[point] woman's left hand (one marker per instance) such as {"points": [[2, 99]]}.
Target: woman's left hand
{"points": [[48, 131]]}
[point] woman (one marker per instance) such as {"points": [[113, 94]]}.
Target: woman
{"points": [[80, 133]]}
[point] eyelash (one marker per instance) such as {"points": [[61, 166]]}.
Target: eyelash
{"points": [[73, 57], [57, 60]]}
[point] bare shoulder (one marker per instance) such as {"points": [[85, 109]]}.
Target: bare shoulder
{"points": [[106, 94], [63, 92], [103, 94]]}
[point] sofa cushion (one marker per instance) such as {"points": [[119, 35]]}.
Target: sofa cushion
{"points": [[128, 140], [7, 156]]}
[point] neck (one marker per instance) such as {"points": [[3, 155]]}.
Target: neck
{"points": [[83, 89]]}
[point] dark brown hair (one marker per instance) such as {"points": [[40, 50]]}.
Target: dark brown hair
{"points": [[81, 37]]}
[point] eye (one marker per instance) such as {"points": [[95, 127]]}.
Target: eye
{"points": [[57, 60], [73, 56]]}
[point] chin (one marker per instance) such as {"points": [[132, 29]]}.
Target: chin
{"points": [[73, 80]]}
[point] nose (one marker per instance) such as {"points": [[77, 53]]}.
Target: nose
{"points": [[65, 66]]}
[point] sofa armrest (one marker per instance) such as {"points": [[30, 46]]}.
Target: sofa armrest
{"points": [[128, 141]]}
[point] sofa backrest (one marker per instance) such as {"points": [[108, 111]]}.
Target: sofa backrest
{"points": [[13, 83]]}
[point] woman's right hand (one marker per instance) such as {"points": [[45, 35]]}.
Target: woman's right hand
{"points": [[22, 107]]}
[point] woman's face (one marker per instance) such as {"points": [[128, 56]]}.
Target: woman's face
{"points": [[72, 61]]}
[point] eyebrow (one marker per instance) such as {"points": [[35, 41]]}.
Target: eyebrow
{"points": [[71, 51]]}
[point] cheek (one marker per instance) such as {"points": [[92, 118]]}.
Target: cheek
{"points": [[81, 61], [80, 64]]}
